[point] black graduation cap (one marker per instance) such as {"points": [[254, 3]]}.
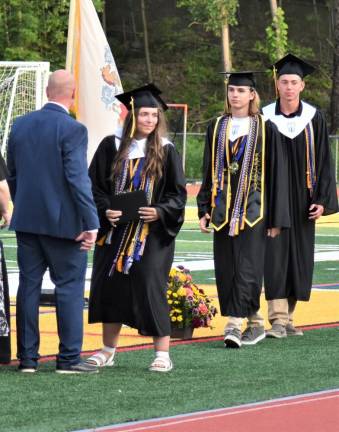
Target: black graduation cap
{"points": [[243, 78], [146, 96], [290, 64]]}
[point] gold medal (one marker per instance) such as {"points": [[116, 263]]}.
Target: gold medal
{"points": [[233, 167]]}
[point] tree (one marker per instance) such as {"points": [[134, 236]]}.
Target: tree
{"points": [[216, 16], [146, 44], [335, 82], [34, 30], [276, 33]]}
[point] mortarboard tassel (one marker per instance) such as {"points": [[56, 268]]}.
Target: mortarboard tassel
{"points": [[275, 82], [226, 98], [133, 118]]}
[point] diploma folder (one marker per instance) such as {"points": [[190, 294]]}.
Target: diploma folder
{"points": [[129, 203]]}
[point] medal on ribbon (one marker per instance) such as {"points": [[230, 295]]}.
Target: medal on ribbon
{"points": [[237, 150]]}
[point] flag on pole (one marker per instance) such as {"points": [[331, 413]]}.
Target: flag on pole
{"points": [[90, 59]]}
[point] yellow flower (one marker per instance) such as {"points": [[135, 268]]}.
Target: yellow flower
{"points": [[175, 294], [181, 292], [173, 272], [179, 318], [170, 301], [173, 318]]}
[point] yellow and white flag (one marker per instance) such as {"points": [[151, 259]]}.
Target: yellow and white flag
{"points": [[90, 59]]}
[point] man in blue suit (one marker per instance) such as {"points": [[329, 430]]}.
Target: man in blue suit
{"points": [[55, 220]]}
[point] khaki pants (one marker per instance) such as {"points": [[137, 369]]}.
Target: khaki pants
{"points": [[280, 311], [255, 320]]}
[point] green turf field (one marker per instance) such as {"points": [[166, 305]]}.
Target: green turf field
{"points": [[205, 376]]}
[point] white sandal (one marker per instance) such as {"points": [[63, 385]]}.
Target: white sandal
{"points": [[99, 359], [161, 364]]}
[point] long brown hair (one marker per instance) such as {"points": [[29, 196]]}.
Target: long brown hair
{"points": [[154, 148]]}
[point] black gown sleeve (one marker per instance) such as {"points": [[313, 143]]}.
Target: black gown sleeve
{"points": [[205, 192], [171, 202], [100, 173], [325, 192], [277, 195]]}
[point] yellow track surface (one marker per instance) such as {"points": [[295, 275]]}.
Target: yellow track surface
{"points": [[322, 308]]}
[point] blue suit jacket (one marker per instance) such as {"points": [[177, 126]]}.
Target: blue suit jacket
{"points": [[48, 176]]}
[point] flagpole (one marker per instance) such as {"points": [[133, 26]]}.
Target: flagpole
{"points": [[70, 35]]}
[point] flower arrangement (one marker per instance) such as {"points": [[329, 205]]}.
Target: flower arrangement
{"points": [[189, 305]]}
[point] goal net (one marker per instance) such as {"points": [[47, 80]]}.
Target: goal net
{"points": [[22, 89], [176, 117]]}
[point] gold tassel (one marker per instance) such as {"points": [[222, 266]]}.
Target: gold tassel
{"points": [[275, 82], [236, 229], [101, 241], [119, 263], [133, 118], [226, 98], [144, 232]]}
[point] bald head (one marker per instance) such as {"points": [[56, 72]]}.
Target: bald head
{"points": [[61, 87]]}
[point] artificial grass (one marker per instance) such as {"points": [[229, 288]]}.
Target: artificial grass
{"points": [[205, 376]]}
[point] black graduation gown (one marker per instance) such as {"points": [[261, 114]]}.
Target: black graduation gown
{"points": [[290, 257], [138, 299], [5, 340], [239, 260]]}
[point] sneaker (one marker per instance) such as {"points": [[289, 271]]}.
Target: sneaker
{"points": [[79, 368], [277, 331], [232, 338], [292, 331], [253, 335], [27, 369]]}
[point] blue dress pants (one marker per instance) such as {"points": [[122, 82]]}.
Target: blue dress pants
{"points": [[67, 267]]}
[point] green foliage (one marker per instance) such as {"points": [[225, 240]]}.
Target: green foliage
{"points": [[194, 156], [276, 42], [213, 14], [33, 30], [277, 36]]}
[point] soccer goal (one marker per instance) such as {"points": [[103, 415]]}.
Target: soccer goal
{"points": [[177, 125], [22, 89]]}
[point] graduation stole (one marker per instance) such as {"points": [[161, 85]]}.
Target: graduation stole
{"points": [[248, 206], [311, 178], [134, 235]]}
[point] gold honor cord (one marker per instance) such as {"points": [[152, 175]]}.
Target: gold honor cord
{"points": [[133, 117]]}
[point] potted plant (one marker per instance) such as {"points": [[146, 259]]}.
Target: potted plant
{"points": [[189, 306]]}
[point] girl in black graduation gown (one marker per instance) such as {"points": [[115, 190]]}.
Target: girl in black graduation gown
{"points": [[5, 339], [243, 196], [132, 261]]}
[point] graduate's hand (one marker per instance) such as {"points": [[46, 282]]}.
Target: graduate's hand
{"points": [[204, 222], [87, 239], [273, 232], [113, 216], [315, 211], [148, 214], [6, 219]]}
